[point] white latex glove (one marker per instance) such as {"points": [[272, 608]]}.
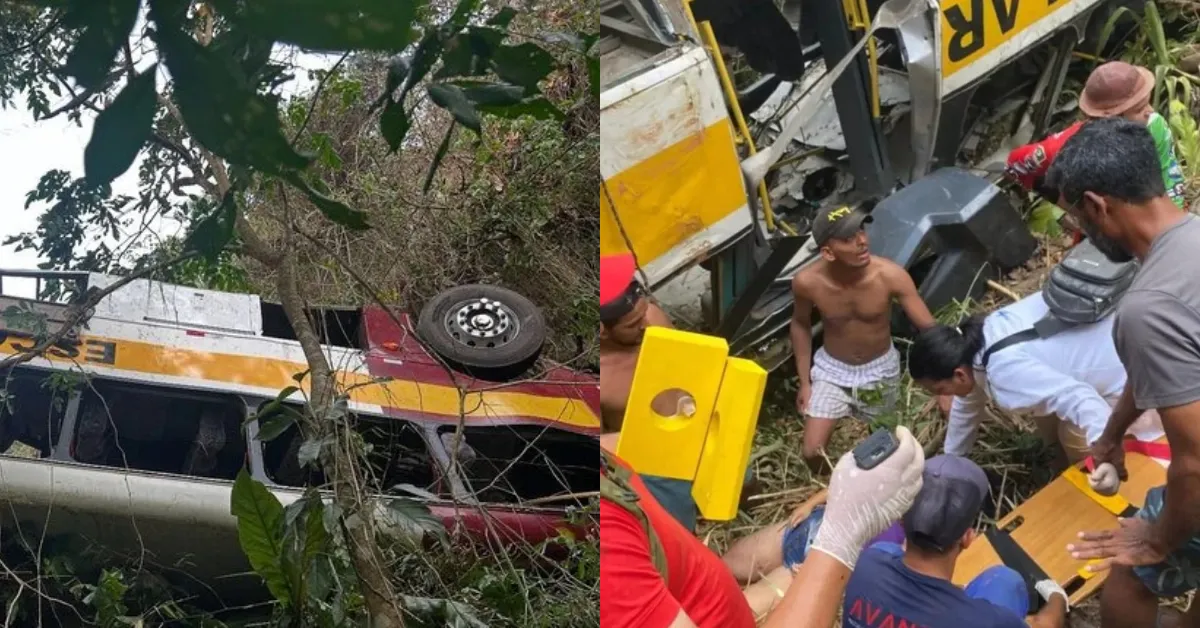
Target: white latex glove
{"points": [[1105, 480], [862, 504], [1049, 588]]}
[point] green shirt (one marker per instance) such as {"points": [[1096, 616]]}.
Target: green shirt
{"points": [[1164, 141]]}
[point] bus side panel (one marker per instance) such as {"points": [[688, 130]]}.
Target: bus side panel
{"points": [[979, 36], [670, 166]]}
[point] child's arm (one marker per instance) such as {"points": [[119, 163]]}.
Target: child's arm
{"points": [[1164, 141]]}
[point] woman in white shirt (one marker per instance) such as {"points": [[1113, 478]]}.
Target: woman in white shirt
{"points": [[1068, 382]]}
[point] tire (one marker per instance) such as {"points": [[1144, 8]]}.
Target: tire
{"points": [[485, 331]]}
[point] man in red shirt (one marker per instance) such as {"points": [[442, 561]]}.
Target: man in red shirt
{"points": [[1028, 164], [632, 591], [667, 578]]}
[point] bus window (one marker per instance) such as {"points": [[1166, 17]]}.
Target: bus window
{"points": [[32, 405], [396, 456], [147, 428], [516, 463]]}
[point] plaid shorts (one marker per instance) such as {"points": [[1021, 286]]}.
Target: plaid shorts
{"points": [[1180, 572], [863, 391]]}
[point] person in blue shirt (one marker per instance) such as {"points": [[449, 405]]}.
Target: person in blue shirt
{"points": [[910, 586]]}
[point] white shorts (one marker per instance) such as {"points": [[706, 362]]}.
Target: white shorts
{"points": [[863, 391]]}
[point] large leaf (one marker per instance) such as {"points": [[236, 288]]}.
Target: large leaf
{"points": [[333, 209], [379, 25], [452, 99], [503, 17], [537, 107], [507, 101], [469, 53], [525, 64], [222, 110], [212, 233], [260, 532], [121, 130], [394, 123], [413, 521], [106, 26], [462, 13], [438, 157]]}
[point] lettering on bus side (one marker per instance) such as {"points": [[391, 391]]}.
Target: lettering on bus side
{"points": [[93, 351], [973, 27]]}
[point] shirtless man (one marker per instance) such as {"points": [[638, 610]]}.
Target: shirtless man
{"points": [[857, 371], [625, 313]]}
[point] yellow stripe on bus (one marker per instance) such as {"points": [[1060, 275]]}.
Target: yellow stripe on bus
{"points": [[971, 29], [274, 375], [672, 195]]}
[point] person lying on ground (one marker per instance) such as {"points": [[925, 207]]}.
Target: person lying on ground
{"points": [[626, 311], [1108, 177], [1114, 89], [655, 574], [1069, 382], [856, 372], [910, 585]]}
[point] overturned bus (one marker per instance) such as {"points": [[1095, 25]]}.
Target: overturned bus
{"points": [[132, 428]]}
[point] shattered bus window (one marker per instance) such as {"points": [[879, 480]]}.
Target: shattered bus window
{"points": [[32, 405], [146, 428]]}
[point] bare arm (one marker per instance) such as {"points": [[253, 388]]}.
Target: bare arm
{"points": [[1181, 511], [1123, 415], [801, 332], [815, 595], [682, 621], [905, 291], [1052, 615]]}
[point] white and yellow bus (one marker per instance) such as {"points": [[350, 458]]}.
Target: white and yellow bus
{"points": [[134, 426]]}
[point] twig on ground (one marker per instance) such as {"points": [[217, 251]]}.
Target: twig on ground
{"points": [[1002, 289]]}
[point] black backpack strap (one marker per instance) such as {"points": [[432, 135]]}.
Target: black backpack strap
{"points": [[1046, 327]]}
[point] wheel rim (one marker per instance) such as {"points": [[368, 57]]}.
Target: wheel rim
{"points": [[482, 323]]}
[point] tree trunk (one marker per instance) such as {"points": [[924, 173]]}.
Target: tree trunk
{"points": [[383, 605]]}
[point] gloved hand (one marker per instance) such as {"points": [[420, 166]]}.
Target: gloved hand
{"points": [[862, 504], [1049, 588], [1105, 480]]}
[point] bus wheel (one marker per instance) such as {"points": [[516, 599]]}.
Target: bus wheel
{"points": [[486, 331]]}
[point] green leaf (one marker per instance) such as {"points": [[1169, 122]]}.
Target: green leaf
{"points": [[327, 155], [121, 130], [524, 64], [377, 25], [394, 124], [438, 157], [333, 209], [221, 110], [537, 107], [106, 26], [213, 233], [594, 75], [469, 53], [452, 99], [462, 13], [272, 428], [485, 93], [316, 539], [260, 532], [1044, 219], [503, 17], [413, 521]]}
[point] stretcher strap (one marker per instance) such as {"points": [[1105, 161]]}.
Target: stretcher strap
{"points": [[1160, 451], [1016, 558], [1116, 504]]}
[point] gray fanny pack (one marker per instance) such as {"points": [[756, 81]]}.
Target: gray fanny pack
{"points": [[1084, 288]]}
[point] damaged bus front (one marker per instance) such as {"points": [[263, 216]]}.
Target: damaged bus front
{"points": [[716, 181]]}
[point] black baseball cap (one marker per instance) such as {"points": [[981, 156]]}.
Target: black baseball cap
{"points": [[949, 502], [838, 222]]}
